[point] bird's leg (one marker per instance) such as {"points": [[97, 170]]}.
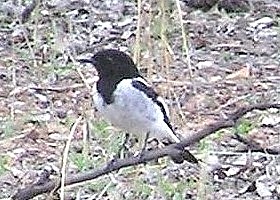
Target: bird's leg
{"points": [[144, 145], [123, 147]]}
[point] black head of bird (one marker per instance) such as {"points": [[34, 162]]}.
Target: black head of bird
{"points": [[112, 63]]}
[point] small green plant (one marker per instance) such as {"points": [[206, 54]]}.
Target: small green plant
{"points": [[244, 127], [4, 160], [100, 128], [114, 145], [204, 145], [82, 161], [189, 183], [68, 121], [64, 70], [217, 134], [56, 68], [175, 190], [111, 141], [23, 53], [227, 56], [142, 188], [99, 185]]}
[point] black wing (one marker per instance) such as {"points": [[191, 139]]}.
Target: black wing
{"points": [[150, 92]]}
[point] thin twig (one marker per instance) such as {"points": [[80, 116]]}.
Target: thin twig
{"points": [[185, 42], [65, 156], [57, 89], [136, 54], [14, 80]]}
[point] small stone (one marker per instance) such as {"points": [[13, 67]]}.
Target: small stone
{"points": [[58, 137], [19, 151], [125, 22], [41, 97], [233, 171], [45, 12], [213, 163], [205, 64], [262, 23], [270, 121], [44, 117], [262, 189], [267, 33]]}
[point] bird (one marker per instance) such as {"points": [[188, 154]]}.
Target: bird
{"points": [[126, 100]]}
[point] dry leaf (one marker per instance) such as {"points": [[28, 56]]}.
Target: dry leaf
{"points": [[242, 73]]}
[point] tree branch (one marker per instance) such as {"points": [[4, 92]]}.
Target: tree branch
{"points": [[173, 150]]}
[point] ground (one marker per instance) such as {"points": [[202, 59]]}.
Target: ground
{"points": [[232, 60]]}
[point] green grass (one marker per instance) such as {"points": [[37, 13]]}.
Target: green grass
{"points": [[107, 137], [64, 70], [244, 127], [142, 189], [227, 56], [8, 128], [107, 140], [100, 184], [175, 190], [68, 121], [110, 139], [100, 129], [204, 145], [81, 161], [4, 162]]}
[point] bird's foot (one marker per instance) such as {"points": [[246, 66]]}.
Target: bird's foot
{"points": [[139, 154], [123, 149], [144, 146]]}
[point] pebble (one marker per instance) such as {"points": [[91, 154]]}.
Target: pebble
{"points": [[263, 188], [270, 121], [58, 137], [262, 23], [205, 64], [41, 97]]}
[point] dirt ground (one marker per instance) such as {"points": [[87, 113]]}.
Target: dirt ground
{"points": [[234, 61]]}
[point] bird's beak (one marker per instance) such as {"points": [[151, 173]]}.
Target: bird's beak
{"points": [[86, 60]]}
